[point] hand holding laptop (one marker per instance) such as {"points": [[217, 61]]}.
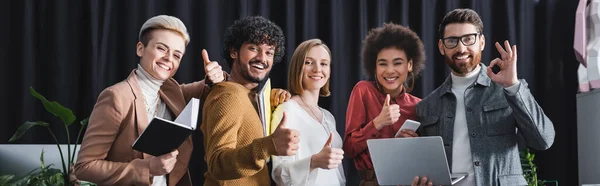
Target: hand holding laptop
{"points": [[400, 166], [328, 158], [422, 182]]}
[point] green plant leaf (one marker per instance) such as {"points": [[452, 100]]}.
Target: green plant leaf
{"points": [[86, 183], [21, 181], [42, 160], [65, 114], [25, 127], [56, 179], [6, 179], [84, 122]]}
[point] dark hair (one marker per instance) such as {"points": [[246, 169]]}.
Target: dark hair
{"points": [[146, 36], [461, 16], [397, 36], [256, 30]]}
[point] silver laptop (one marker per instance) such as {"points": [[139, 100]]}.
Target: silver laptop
{"points": [[398, 160]]}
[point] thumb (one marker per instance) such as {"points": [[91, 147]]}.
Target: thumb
{"points": [[174, 153], [328, 142], [282, 123], [387, 100], [205, 57]]}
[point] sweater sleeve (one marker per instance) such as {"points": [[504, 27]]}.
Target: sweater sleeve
{"points": [[223, 116]]}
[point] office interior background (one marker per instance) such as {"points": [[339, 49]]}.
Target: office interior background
{"points": [[70, 50]]}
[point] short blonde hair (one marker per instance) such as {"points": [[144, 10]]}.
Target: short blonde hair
{"points": [[296, 71], [163, 22]]}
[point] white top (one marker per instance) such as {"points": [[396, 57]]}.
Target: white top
{"points": [[462, 161], [150, 87], [294, 170]]}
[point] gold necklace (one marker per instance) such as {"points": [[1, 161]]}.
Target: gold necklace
{"points": [[156, 107], [322, 122], [310, 109]]}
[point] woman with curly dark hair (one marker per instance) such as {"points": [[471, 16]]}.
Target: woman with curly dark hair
{"points": [[393, 56]]}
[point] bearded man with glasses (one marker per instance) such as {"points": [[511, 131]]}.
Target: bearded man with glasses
{"points": [[482, 116]]}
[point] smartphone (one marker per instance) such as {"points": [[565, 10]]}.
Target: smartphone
{"points": [[409, 124]]}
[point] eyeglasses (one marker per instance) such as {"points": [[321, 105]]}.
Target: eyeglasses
{"points": [[467, 40]]}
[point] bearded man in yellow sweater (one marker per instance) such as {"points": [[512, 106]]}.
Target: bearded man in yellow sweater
{"points": [[237, 148]]}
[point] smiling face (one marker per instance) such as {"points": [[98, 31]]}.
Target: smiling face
{"points": [[316, 68], [461, 59], [162, 55], [253, 62], [391, 69]]}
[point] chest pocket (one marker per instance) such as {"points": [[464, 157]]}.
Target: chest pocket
{"points": [[429, 126], [498, 119]]}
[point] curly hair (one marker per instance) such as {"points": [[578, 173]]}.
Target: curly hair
{"points": [[256, 30], [397, 36]]}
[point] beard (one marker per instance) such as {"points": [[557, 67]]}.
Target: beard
{"points": [[463, 68], [246, 73]]}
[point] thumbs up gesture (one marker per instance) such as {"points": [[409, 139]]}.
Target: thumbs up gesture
{"points": [[389, 114], [212, 69], [285, 140], [328, 158]]}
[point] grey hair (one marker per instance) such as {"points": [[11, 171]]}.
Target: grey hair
{"points": [[165, 22]]}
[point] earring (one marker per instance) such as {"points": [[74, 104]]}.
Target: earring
{"points": [[377, 82], [412, 84]]}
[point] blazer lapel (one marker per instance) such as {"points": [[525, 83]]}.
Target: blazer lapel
{"points": [[171, 95], [141, 117]]}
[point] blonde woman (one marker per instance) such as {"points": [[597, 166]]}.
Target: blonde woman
{"points": [[123, 111], [319, 157]]}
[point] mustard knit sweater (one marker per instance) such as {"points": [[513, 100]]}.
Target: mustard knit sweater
{"points": [[236, 150]]}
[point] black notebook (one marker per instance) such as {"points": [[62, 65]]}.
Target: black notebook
{"points": [[163, 136]]}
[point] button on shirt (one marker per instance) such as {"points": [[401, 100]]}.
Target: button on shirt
{"points": [[462, 161]]}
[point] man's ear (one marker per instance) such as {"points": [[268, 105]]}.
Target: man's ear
{"points": [[441, 46], [139, 49], [233, 53], [482, 42]]}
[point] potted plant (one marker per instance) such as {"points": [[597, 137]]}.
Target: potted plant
{"points": [[45, 175], [530, 169]]}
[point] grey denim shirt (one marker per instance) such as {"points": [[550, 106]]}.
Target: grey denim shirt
{"points": [[497, 124]]}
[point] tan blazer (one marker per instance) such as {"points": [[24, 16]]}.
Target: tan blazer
{"points": [[119, 116]]}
